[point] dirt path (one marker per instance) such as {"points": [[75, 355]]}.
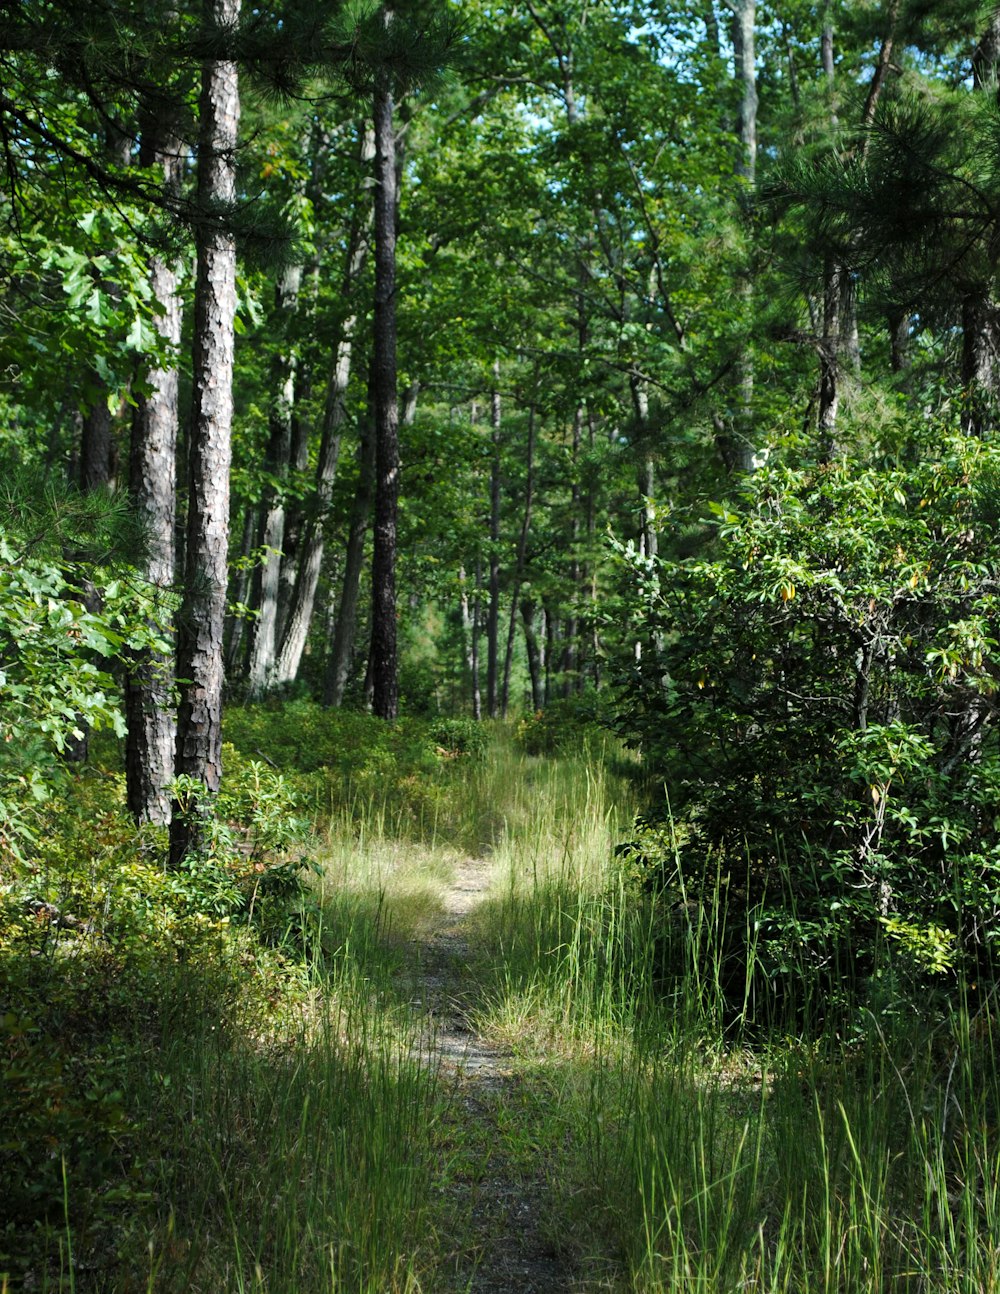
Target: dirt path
{"points": [[514, 1255]]}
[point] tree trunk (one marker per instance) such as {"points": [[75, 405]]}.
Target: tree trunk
{"points": [[646, 475], [742, 449], [551, 642], [383, 657], [96, 444], [469, 644], [277, 463], [199, 649], [980, 365], [571, 648], [595, 635], [477, 623], [310, 557], [899, 340], [493, 613], [519, 561], [829, 362], [309, 561], [341, 655], [981, 312], [536, 663], [149, 744], [295, 523], [240, 593]]}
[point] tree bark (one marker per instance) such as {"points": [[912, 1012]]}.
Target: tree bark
{"points": [[646, 473], [493, 612], [310, 557], [536, 658], [742, 450], [839, 348], [96, 444], [980, 365], [981, 312], [477, 624], [571, 646], [384, 656], [149, 744], [829, 362], [241, 591], [278, 463], [199, 649], [309, 563], [551, 642], [519, 560], [469, 643], [339, 668]]}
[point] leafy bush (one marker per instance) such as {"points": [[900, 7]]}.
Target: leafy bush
{"points": [[56, 642], [103, 952], [458, 737], [819, 695], [340, 758], [563, 725]]}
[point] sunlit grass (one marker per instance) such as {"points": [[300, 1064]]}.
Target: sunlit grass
{"points": [[316, 1146], [785, 1165]]}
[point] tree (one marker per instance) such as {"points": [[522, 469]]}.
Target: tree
{"points": [[150, 714], [384, 662], [202, 614]]}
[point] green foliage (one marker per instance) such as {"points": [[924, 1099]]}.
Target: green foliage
{"points": [[58, 642], [818, 694], [564, 725], [454, 737], [338, 759]]}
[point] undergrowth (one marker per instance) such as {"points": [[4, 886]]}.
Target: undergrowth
{"points": [[211, 1078]]}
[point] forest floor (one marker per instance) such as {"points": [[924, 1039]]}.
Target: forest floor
{"points": [[505, 1197]]}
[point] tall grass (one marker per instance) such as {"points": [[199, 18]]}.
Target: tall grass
{"points": [[797, 1163], [307, 1146], [298, 1166]]}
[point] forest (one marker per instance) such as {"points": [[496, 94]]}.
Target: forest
{"points": [[499, 646]]}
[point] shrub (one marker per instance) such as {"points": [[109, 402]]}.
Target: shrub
{"points": [[819, 696], [564, 724]]}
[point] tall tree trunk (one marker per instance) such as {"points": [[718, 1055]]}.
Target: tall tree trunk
{"points": [[240, 593], [742, 450], [199, 647], [296, 520], [277, 463], [519, 560], [839, 347], [980, 365], [493, 613], [309, 556], [536, 660], [899, 340], [595, 634], [829, 361], [96, 443], [477, 625], [469, 644], [97, 448], [981, 312], [571, 647], [646, 473], [551, 643], [383, 657], [149, 744], [345, 629], [840, 323]]}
